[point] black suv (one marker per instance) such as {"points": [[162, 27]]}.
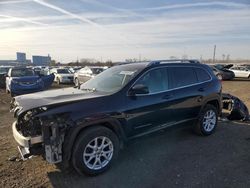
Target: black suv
{"points": [[87, 126]]}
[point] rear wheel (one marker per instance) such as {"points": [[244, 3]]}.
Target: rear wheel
{"points": [[94, 151], [207, 122]]}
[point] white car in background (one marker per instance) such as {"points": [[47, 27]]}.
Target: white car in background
{"points": [[241, 72], [87, 73], [62, 75]]}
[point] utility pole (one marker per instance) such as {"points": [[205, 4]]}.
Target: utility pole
{"points": [[214, 53]]}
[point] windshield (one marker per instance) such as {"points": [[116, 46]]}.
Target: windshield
{"points": [[4, 70], [63, 71], [112, 80], [220, 67], [22, 72], [97, 70]]}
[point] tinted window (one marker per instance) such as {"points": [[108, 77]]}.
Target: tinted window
{"points": [[156, 80], [4, 70], [202, 75], [63, 71], [96, 70], [22, 72], [182, 76]]}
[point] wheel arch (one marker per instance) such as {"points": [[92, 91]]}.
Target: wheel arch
{"points": [[216, 104], [74, 132]]}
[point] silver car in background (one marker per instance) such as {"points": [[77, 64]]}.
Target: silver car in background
{"points": [[86, 73], [62, 75]]}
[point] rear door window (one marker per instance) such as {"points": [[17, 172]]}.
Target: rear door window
{"points": [[182, 76], [202, 75]]}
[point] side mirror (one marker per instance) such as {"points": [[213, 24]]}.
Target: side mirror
{"points": [[138, 89]]}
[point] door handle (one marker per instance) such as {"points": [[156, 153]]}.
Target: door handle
{"points": [[201, 89]]}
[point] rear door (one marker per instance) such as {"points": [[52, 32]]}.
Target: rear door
{"points": [[189, 92], [243, 72], [236, 71], [150, 111]]}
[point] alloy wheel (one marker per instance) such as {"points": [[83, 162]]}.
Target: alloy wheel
{"points": [[98, 153]]}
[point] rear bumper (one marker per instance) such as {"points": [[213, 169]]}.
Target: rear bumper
{"points": [[23, 141]]}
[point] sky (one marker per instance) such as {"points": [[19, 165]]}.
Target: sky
{"points": [[122, 29]]}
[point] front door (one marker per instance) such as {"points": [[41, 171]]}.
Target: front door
{"points": [[147, 112]]}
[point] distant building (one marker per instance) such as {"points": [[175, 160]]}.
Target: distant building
{"points": [[21, 57], [41, 60]]}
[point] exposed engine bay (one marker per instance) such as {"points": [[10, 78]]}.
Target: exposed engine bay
{"points": [[237, 109], [51, 130]]}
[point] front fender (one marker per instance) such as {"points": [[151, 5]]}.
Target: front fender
{"points": [[73, 133]]}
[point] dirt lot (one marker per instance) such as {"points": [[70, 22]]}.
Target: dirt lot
{"points": [[176, 158]]}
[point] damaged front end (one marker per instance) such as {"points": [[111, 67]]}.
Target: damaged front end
{"points": [[34, 132], [236, 108]]}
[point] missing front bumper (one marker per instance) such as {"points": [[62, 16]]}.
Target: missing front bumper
{"points": [[23, 141]]}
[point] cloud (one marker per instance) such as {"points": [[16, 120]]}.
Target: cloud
{"points": [[192, 5], [85, 20], [118, 33], [13, 18], [14, 1]]}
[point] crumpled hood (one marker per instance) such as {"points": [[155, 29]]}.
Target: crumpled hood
{"points": [[51, 97]]}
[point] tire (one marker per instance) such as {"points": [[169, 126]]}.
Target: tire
{"points": [[77, 82], [208, 114], [85, 145]]}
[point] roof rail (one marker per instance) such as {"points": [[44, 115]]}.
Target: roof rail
{"points": [[157, 62]]}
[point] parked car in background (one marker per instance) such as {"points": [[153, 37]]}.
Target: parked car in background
{"points": [[224, 71], [87, 126], [74, 69], [37, 70], [86, 73], [3, 72], [246, 65], [24, 80], [217, 72], [62, 75], [241, 71]]}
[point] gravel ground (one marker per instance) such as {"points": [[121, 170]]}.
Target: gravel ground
{"points": [[176, 158]]}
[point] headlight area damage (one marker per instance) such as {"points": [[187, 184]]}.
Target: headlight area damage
{"points": [[35, 133]]}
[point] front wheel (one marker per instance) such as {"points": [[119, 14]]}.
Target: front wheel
{"points": [[95, 149], [207, 121]]}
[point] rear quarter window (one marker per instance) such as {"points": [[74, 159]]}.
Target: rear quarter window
{"points": [[202, 75]]}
